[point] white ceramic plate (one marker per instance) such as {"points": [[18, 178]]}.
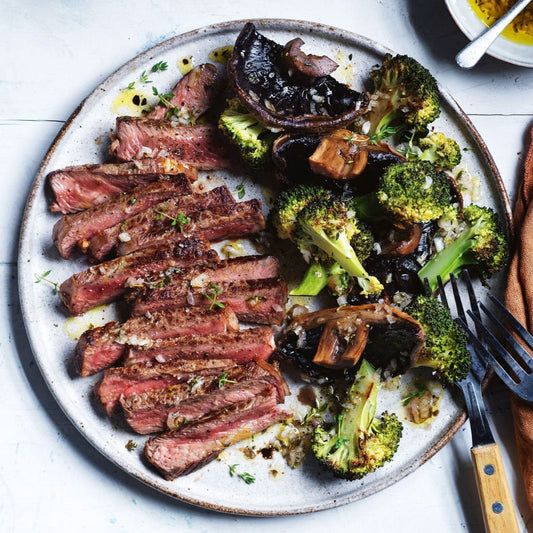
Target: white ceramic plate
{"points": [[471, 25], [84, 139]]}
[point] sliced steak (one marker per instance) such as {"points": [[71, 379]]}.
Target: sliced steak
{"points": [[248, 267], [202, 145], [107, 281], [75, 229], [253, 344], [215, 224], [194, 94], [137, 379], [260, 301], [150, 412], [98, 348], [181, 451], [76, 188], [160, 215]]}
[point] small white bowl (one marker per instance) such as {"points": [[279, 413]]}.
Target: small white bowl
{"points": [[471, 25]]}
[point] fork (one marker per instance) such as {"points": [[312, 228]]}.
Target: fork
{"points": [[519, 373], [494, 493]]}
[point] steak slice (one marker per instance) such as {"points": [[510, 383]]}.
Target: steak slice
{"points": [[160, 215], [107, 281], [75, 229], [215, 224], [76, 188], [149, 413], [194, 94], [246, 267], [101, 347], [259, 301], [201, 145], [251, 344], [184, 450], [137, 379]]}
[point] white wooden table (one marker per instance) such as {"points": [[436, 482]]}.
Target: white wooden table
{"points": [[52, 54]]}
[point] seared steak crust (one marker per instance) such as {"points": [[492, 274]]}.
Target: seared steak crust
{"points": [[98, 348], [107, 281], [75, 229], [76, 188], [201, 145], [161, 215], [125, 381], [259, 301], [219, 222], [240, 346], [184, 450]]}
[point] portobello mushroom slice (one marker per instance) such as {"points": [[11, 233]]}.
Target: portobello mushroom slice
{"points": [[348, 332], [284, 96], [305, 158]]}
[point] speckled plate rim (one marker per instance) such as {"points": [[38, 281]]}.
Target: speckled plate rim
{"points": [[472, 26], [25, 251]]}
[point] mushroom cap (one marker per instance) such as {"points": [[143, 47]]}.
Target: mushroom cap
{"points": [[284, 98]]}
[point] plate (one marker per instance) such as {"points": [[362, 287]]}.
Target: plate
{"points": [[471, 25], [84, 139]]}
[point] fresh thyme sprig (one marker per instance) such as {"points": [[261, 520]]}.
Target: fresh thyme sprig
{"points": [[245, 476], [223, 380], [240, 190], [160, 65], [145, 76], [181, 220], [164, 99], [212, 295], [44, 277]]}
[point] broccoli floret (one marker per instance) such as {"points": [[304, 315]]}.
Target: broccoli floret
{"points": [[359, 442], [407, 194], [481, 246], [405, 96], [445, 347], [440, 150], [252, 138], [324, 232], [288, 205]]}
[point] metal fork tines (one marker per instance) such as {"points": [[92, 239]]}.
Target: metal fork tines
{"points": [[471, 385], [513, 364], [494, 493]]}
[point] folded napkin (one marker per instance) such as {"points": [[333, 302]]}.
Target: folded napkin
{"points": [[519, 300]]}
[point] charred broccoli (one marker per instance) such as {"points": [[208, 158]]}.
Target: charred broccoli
{"points": [[326, 230], [440, 150], [481, 246], [407, 194], [288, 205], [251, 137], [445, 347], [405, 96], [359, 442]]}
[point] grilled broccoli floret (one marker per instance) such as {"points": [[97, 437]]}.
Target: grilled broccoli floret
{"points": [[321, 274], [440, 150], [359, 442], [288, 205], [405, 96], [325, 231], [481, 246], [445, 347], [251, 137], [407, 194]]}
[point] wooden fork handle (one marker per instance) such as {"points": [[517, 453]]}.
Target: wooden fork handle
{"points": [[496, 503]]}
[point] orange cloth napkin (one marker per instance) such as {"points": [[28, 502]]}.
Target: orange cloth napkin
{"points": [[519, 300]]}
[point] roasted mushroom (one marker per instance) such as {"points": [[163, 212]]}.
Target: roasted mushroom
{"points": [[286, 98], [351, 158], [347, 333]]}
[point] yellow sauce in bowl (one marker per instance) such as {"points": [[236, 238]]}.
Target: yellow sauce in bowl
{"points": [[520, 30]]}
